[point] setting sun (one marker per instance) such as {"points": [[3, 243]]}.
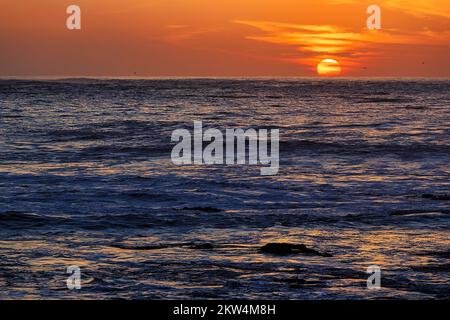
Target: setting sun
{"points": [[329, 67]]}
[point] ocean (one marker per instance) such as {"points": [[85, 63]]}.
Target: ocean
{"points": [[86, 180]]}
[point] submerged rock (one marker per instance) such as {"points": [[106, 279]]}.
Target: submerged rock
{"points": [[287, 249]]}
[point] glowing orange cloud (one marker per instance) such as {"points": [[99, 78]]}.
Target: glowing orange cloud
{"points": [[419, 8], [352, 48]]}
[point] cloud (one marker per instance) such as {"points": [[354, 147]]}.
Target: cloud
{"points": [[418, 8], [315, 42], [179, 34]]}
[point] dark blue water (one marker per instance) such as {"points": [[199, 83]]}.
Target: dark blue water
{"points": [[86, 179]]}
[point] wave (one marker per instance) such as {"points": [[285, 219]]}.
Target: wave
{"points": [[20, 220], [366, 148]]}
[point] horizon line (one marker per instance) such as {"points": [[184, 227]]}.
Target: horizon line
{"points": [[134, 77]]}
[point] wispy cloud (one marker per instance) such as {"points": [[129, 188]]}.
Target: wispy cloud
{"points": [[418, 8], [179, 33], [352, 47]]}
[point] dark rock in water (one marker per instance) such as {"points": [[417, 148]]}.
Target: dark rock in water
{"points": [[436, 196], [203, 246], [287, 249], [204, 209]]}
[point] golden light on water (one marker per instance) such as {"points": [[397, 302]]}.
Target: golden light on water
{"points": [[328, 67]]}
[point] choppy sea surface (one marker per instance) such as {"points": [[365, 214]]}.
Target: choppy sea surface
{"points": [[86, 180]]}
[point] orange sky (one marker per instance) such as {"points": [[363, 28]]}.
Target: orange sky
{"points": [[223, 38]]}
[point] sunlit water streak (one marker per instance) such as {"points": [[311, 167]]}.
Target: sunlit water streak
{"points": [[86, 179]]}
